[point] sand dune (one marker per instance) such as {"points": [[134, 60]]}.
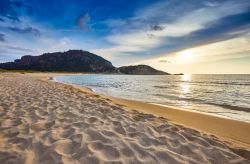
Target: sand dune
{"points": [[47, 122]]}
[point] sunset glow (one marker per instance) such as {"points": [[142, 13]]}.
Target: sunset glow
{"points": [[186, 55]]}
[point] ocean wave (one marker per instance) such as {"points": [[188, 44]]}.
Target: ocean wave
{"points": [[212, 82], [232, 107], [161, 87], [223, 105], [202, 101], [174, 84]]}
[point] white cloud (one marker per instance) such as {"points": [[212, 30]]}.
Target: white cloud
{"points": [[144, 39], [219, 52]]}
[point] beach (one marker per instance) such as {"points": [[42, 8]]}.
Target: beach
{"points": [[48, 122]]}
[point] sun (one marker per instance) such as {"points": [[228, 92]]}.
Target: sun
{"points": [[185, 55]]}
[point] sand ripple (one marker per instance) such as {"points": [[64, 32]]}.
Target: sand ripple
{"points": [[47, 122]]}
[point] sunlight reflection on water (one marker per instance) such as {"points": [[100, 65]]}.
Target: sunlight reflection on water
{"points": [[186, 78], [185, 86]]}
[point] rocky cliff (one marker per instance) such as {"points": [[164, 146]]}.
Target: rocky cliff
{"points": [[140, 70], [69, 61], [75, 61]]}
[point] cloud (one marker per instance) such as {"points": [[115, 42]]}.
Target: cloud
{"points": [[8, 9], [151, 36], [26, 30], [10, 53], [205, 57], [225, 28], [199, 24], [164, 61], [232, 48], [2, 39], [82, 21], [156, 28], [15, 48]]}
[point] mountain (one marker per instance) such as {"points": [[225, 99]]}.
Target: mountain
{"points": [[140, 70], [69, 61], [75, 61]]}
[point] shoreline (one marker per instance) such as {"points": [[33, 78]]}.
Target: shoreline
{"points": [[232, 131], [218, 109]]}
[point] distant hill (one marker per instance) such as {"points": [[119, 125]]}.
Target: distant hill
{"points": [[70, 61], [140, 70], [75, 61]]}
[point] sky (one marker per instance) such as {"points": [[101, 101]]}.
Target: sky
{"points": [[177, 36]]}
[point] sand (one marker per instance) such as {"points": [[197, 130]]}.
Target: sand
{"points": [[46, 122]]}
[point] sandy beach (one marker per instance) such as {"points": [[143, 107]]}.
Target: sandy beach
{"points": [[47, 122]]}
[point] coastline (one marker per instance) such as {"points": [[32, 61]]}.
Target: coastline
{"points": [[233, 131], [46, 121]]}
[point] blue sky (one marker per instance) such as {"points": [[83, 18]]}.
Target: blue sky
{"points": [[190, 36]]}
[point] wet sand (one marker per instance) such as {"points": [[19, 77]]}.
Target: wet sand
{"points": [[47, 122]]}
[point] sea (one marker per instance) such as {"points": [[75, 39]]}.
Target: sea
{"points": [[226, 96]]}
